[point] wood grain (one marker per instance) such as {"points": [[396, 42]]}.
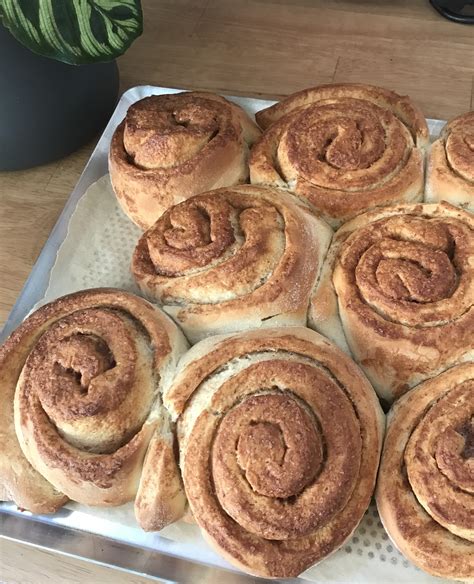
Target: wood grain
{"points": [[263, 48], [21, 564]]}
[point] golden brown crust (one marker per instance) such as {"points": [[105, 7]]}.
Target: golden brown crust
{"points": [[402, 105], [231, 259], [343, 148], [264, 419], [425, 485], [170, 147], [401, 282], [160, 498], [450, 172], [80, 382]]}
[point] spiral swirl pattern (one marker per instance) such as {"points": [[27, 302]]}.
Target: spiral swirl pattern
{"points": [[233, 259], [264, 420], [450, 175], [402, 281], [425, 491], [170, 147], [343, 148], [87, 370]]}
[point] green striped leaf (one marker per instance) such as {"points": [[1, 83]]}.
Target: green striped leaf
{"points": [[74, 31]]}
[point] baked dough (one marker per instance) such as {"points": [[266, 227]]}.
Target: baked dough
{"points": [[233, 259], [170, 147], [80, 386], [397, 291], [264, 422], [425, 485], [450, 173], [343, 148]]}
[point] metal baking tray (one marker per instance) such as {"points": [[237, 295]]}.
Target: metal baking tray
{"points": [[130, 550]]}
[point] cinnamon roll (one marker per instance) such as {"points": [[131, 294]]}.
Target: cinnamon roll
{"points": [[232, 259], [170, 147], [344, 148], [425, 489], [80, 387], [397, 291], [450, 173], [264, 422]]}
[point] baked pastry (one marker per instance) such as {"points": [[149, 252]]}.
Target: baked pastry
{"points": [[398, 286], [232, 259], [344, 148], [264, 420], [80, 381], [170, 147], [450, 173], [426, 483]]}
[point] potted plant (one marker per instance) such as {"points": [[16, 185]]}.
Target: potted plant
{"points": [[58, 78]]}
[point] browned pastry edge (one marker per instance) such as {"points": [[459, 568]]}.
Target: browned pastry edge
{"points": [[145, 193], [18, 479], [215, 354], [450, 155], [165, 269], [160, 498], [421, 539], [375, 347], [343, 149], [402, 106]]}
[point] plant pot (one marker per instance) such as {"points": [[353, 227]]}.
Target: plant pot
{"points": [[49, 109]]}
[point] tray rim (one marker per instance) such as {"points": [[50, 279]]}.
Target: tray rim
{"points": [[105, 551], [30, 530]]}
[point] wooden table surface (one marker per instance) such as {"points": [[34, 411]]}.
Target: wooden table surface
{"points": [[262, 48]]}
